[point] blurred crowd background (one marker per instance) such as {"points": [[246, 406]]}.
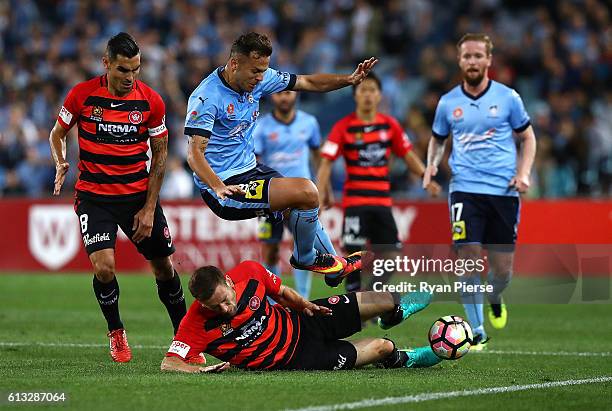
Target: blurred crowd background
{"points": [[556, 54]]}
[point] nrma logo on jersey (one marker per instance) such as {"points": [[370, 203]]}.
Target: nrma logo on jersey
{"points": [[53, 235], [117, 130]]}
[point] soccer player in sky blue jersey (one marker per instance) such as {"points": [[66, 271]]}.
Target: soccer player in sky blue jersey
{"points": [[487, 173], [221, 116], [285, 140]]}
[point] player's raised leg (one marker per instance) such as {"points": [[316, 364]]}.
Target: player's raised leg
{"points": [[106, 290], [393, 308], [300, 195]]}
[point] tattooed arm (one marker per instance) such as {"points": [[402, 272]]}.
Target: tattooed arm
{"points": [[143, 220], [200, 166]]}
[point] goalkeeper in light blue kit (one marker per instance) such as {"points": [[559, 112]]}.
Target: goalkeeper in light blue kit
{"points": [[487, 174], [286, 139]]}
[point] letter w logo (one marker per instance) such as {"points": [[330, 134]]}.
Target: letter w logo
{"points": [[53, 234]]}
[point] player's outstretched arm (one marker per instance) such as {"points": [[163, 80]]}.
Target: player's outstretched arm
{"points": [[57, 141], [288, 297], [435, 152], [174, 364], [328, 82], [199, 165], [520, 181]]}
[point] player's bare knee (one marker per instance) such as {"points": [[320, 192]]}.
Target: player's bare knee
{"points": [[104, 270], [309, 195], [162, 268], [384, 347]]}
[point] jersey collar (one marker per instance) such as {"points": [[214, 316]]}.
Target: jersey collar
{"points": [[225, 83], [476, 97]]}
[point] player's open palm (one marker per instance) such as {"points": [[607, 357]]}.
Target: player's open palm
{"points": [[143, 224], [61, 170], [217, 368], [362, 70]]}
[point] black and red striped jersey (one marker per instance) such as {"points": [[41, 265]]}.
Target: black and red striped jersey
{"points": [[260, 335], [113, 136], [366, 147]]}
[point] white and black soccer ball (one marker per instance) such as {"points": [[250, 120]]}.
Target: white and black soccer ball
{"points": [[450, 337]]}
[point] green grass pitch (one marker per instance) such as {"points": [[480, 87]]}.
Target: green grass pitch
{"points": [[52, 339]]}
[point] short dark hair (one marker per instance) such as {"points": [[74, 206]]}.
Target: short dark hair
{"points": [[123, 44], [476, 37], [371, 76], [204, 282], [252, 42]]}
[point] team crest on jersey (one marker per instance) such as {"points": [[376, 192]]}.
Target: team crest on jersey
{"points": [[96, 113], [230, 109], [254, 303], [274, 136], [135, 117], [334, 299], [226, 328], [457, 113], [493, 111]]}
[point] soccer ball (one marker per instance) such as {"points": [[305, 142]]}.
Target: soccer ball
{"points": [[450, 337]]}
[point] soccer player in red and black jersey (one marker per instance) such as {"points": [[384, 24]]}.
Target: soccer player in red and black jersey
{"points": [[117, 115], [366, 139], [232, 320]]}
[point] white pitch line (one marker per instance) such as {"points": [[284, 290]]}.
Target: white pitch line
{"points": [[429, 396], [546, 353], [162, 347], [76, 345]]}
